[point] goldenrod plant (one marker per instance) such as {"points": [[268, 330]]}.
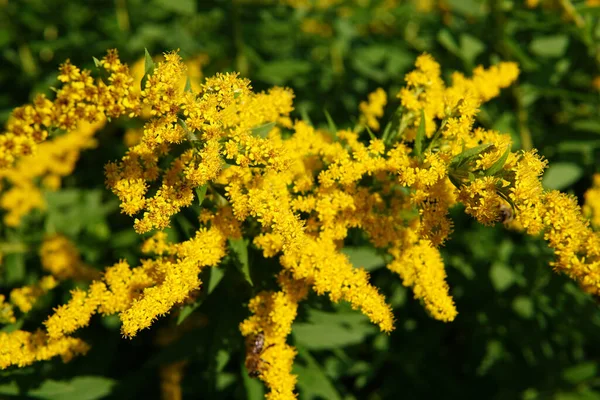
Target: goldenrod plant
{"points": [[259, 178]]}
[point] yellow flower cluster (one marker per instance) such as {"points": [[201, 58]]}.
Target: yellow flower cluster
{"points": [[60, 257], [24, 297], [591, 208], [144, 293], [23, 348], [54, 159], [302, 190], [372, 109], [216, 122], [272, 316], [79, 99]]}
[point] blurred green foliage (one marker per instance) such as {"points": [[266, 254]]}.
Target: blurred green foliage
{"points": [[522, 332]]}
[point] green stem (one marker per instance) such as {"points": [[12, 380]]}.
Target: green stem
{"points": [[523, 121]]}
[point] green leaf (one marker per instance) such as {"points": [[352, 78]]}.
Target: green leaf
{"points": [[470, 47], [188, 85], [549, 46], [420, 139], [263, 130], [580, 372], [587, 125], [468, 155], [447, 41], [216, 274], [332, 330], [255, 390], [305, 116], [502, 276], [561, 175], [190, 135], [497, 166], [148, 68], [240, 248], [494, 353], [313, 381], [97, 62], [330, 124], [14, 268], [365, 257], [201, 193], [370, 132], [187, 310], [80, 388], [330, 336], [10, 389], [523, 306], [12, 327]]}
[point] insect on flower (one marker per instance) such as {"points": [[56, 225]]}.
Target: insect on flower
{"points": [[506, 213], [255, 346]]}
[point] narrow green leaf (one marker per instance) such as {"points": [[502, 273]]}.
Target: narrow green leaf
{"points": [[445, 38], [240, 248], [313, 381], [188, 85], [455, 181], [216, 275], [371, 134], [305, 116], [12, 327], [420, 139], [263, 130], [386, 132], [470, 47], [148, 67], [190, 135], [97, 62], [255, 390], [14, 268], [587, 125], [201, 193], [497, 166], [469, 154], [187, 310], [331, 124], [80, 388]]}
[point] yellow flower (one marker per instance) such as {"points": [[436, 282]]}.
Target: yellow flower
{"points": [[80, 99], [54, 159], [25, 297], [372, 109], [420, 265], [591, 208], [22, 348], [272, 316], [60, 257]]}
